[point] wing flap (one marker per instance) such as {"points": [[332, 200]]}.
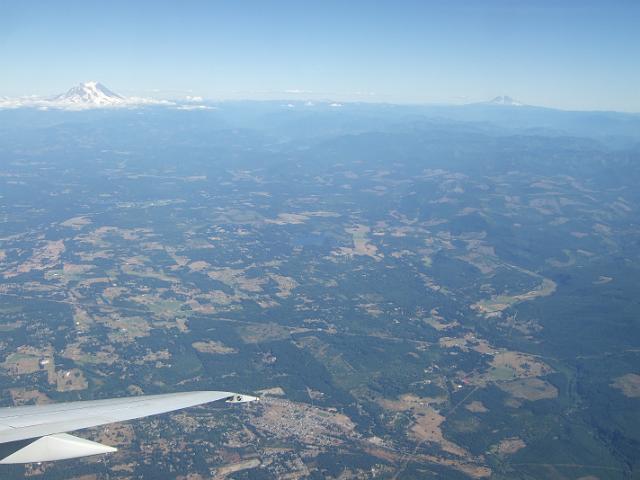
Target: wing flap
{"points": [[56, 447]]}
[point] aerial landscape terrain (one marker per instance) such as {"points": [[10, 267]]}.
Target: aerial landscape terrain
{"points": [[414, 292]]}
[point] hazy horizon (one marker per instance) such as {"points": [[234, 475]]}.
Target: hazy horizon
{"points": [[569, 56], [301, 98]]}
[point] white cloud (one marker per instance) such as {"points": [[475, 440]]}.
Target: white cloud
{"points": [[195, 107], [298, 91], [47, 103]]}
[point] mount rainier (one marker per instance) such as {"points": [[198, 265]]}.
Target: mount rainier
{"points": [[86, 95]]}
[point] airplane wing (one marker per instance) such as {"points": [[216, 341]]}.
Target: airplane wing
{"points": [[37, 433]]}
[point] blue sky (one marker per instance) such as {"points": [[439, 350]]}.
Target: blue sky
{"points": [[575, 54]]}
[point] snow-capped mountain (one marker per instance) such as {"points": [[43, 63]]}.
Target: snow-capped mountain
{"points": [[90, 94], [87, 95], [506, 101]]}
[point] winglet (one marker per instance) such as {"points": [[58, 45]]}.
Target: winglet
{"points": [[60, 446]]}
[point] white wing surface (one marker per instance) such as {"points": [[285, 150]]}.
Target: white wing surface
{"points": [[60, 446], [46, 423]]}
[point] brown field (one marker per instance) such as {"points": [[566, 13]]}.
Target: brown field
{"points": [[529, 389], [509, 446], [27, 359], [198, 266], [69, 380], [321, 213], [263, 333], [126, 329], [438, 322], [116, 435], [198, 307], [23, 396], [81, 318], [471, 469], [628, 384], [361, 245], [88, 282], [427, 421], [476, 407], [225, 470], [285, 285], [93, 255], [371, 309], [409, 401], [289, 219], [74, 351], [494, 306], [76, 222], [111, 293], [275, 392], [152, 246], [236, 279], [427, 429], [43, 258], [522, 364], [21, 364], [212, 346], [451, 342]]}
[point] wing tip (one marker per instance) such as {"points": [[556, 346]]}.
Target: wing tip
{"points": [[241, 398]]}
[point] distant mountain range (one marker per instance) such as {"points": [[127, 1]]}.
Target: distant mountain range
{"points": [[501, 114], [93, 94]]}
